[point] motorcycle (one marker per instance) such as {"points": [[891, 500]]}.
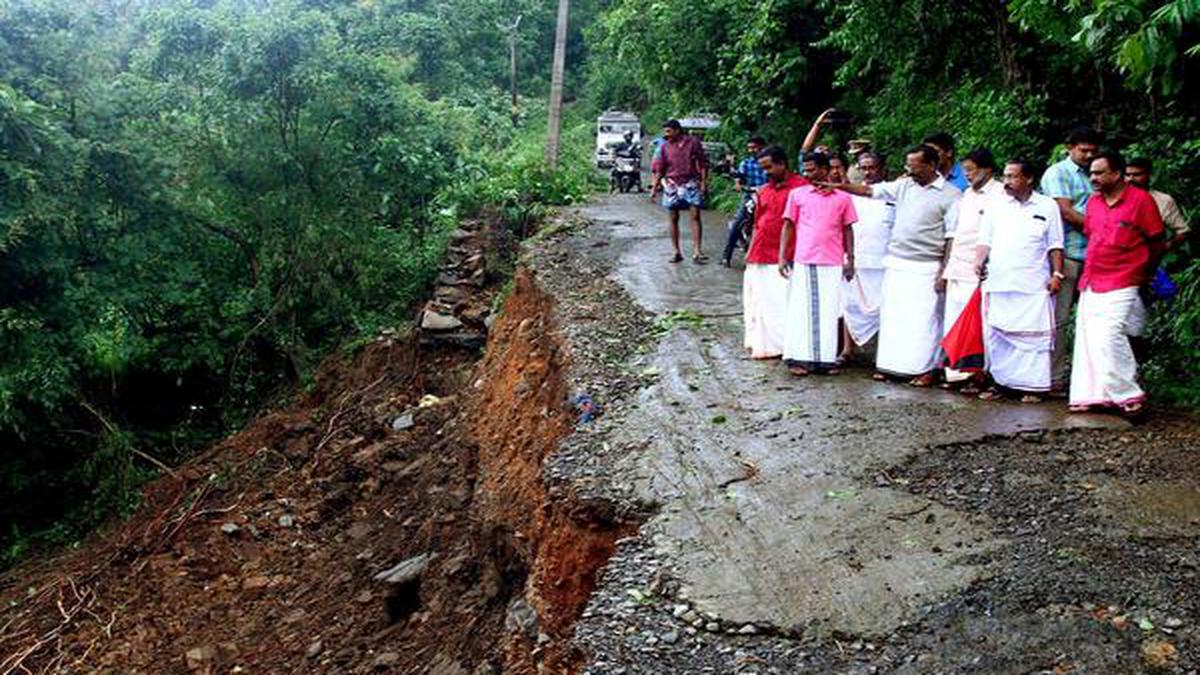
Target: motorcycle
{"points": [[626, 171]]}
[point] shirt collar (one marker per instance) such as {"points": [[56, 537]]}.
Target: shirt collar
{"points": [[1073, 166], [988, 187], [1009, 197], [938, 183]]}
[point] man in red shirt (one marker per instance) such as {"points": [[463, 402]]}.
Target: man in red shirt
{"points": [[680, 173], [1125, 243], [764, 292]]}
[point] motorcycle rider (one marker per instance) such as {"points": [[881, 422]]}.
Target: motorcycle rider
{"points": [[746, 180], [627, 149]]}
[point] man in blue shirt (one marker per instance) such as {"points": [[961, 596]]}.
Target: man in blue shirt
{"points": [[748, 177], [1068, 183], [951, 170]]}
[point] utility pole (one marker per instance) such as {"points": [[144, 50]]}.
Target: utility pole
{"points": [[556, 85], [512, 63]]}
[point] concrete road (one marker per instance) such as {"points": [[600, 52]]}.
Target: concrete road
{"points": [[773, 505]]}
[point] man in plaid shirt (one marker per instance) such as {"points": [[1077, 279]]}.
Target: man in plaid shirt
{"points": [[1067, 182], [746, 180]]}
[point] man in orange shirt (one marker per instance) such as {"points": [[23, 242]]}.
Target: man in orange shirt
{"points": [[1125, 242]]}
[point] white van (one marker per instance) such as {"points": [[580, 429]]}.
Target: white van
{"points": [[610, 132]]}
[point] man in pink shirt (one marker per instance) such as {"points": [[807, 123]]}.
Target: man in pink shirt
{"points": [[764, 292], [820, 220], [1125, 242]]}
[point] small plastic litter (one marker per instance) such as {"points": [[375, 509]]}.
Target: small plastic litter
{"points": [[587, 409]]}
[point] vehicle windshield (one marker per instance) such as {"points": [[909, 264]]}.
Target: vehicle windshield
{"points": [[618, 127]]}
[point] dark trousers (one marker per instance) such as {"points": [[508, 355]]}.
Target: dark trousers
{"points": [[735, 231]]}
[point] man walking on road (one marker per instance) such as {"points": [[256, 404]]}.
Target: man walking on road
{"points": [[1125, 242], [680, 173], [1138, 173], [910, 319], [764, 291], [961, 280], [820, 219], [861, 295], [1068, 184], [747, 179], [1020, 258]]}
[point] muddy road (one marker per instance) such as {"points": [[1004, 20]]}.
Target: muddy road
{"points": [[838, 524]]}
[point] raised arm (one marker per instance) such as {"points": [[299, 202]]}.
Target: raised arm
{"points": [[852, 188], [810, 141]]}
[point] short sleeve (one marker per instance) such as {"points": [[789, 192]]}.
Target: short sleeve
{"points": [[1087, 221], [1053, 185], [886, 190], [849, 213], [791, 211], [985, 228], [950, 220], [1149, 219], [1172, 217]]}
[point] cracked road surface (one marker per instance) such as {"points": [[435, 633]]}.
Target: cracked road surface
{"points": [[773, 504]]}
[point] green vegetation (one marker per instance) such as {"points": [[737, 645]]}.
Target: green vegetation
{"points": [[1012, 76], [199, 200]]}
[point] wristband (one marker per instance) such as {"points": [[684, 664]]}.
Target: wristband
{"points": [[1058, 275]]}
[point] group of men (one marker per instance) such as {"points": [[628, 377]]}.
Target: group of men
{"points": [[840, 256]]}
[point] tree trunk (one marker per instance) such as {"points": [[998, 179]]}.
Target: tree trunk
{"points": [[512, 66], [1006, 50], [556, 85]]}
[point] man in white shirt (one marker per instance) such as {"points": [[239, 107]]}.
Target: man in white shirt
{"points": [[861, 295], [1020, 258], [961, 280]]}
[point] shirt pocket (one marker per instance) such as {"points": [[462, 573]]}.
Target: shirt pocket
{"points": [[1125, 236]]}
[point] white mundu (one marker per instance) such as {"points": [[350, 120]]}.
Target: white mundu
{"points": [[861, 295], [765, 298], [1018, 307]]}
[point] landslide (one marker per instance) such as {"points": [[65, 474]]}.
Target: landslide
{"points": [[261, 555]]}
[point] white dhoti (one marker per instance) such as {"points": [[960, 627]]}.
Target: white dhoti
{"points": [[1018, 334], [958, 293], [860, 304], [1103, 369], [764, 301], [910, 318], [814, 307]]}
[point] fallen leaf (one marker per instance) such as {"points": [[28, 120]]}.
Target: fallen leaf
{"points": [[1159, 654]]}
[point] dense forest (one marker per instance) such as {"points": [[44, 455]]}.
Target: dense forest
{"points": [[199, 199]]}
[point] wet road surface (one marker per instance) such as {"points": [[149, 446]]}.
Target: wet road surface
{"points": [[773, 504]]}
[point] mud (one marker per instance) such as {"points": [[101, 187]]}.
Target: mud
{"points": [[716, 516], [781, 539], [263, 554]]}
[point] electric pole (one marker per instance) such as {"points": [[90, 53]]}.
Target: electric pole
{"points": [[512, 63], [556, 85]]}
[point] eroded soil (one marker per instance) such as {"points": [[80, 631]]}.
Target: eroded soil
{"points": [[715, 516]]}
